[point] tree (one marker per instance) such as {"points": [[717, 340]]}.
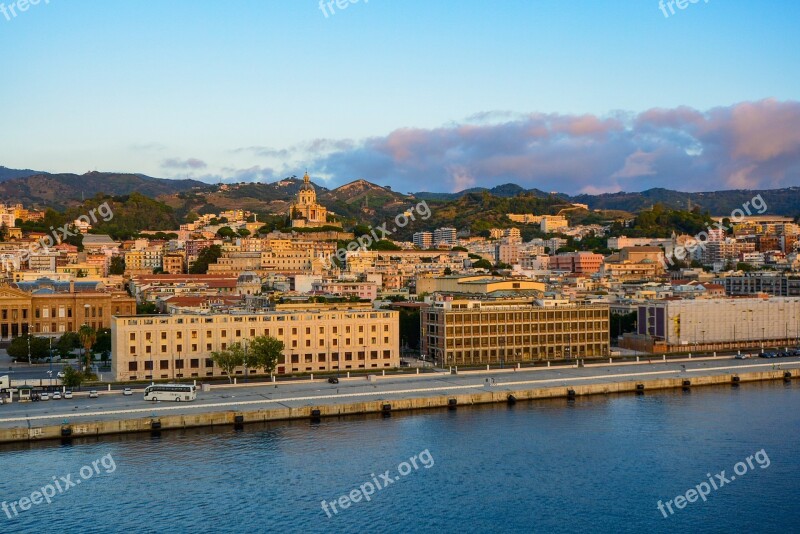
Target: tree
{"points": [[244, 232], [226, 232], [72, 378], [88, 336], [482, 264], [68, 342], [384, 244], [207, 256], [146, 308], [448, 271], [265, 351], [228, 361], [117, 265], [18, 349], [103, 341]]}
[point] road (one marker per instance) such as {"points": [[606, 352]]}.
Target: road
{"points": [[113, 405]]}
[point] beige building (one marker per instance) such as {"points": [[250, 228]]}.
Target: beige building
{"points": [[480, 284], [325, 339], [474, 332]]}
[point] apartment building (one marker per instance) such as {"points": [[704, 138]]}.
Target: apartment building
{"points": [[478, 332], [315, 340], [577, 262], [423, 240]]}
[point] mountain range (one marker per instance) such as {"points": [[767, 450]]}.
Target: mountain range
{"points": [[358, 199]]}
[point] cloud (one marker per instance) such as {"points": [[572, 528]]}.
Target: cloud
{"points": [[747, 145], [187, 164]]}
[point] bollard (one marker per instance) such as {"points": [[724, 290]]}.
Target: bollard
{"points": [[664, 358], [714, 354], [637, 358], [487, 366], [519, 366], [109, 387], [384, 372], [234, 380], [417, 370], [273, 378], [548, 364], [348, 374], [312, 376], [609, 360]]}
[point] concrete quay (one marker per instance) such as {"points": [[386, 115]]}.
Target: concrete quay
{"points": [[226, 405]]}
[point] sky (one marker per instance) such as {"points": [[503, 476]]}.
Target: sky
{"points": [[576, 96]]}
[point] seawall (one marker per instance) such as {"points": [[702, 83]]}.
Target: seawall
{"points": [[498, 394]]}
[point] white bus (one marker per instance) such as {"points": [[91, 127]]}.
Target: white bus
{"points": [[170, 392]]}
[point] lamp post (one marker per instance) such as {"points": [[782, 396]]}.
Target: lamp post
{"points": [[29, 343]]}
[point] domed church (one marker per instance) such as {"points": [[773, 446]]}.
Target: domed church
{"points": [[305, 212]]}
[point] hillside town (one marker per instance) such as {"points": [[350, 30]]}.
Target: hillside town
{"points": [[172, 297]]}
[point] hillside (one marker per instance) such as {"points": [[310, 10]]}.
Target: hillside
{"points": [[779, 201], [10, 174], [61, 191]]}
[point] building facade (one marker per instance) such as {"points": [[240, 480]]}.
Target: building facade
{"points": [[474, 332], [180, 346], [305, 212], [54, 312], [704, 321]]}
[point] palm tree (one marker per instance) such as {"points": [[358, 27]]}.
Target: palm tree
{"points": [[88, 336]]}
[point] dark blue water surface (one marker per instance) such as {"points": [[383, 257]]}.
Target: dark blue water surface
{"points": [[596, 464]]}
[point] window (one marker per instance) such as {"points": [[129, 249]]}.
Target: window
{"points": [[163, 348], [133, 336], [148, 366], [163, 335], [164, 364], [132, 366]]}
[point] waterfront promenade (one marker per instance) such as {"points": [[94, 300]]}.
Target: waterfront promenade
{"points": [[114, 412]]}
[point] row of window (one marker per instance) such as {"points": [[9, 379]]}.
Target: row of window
{"points": [[257, 318], [526, 328], [520, 316], [522, 341], [294, 344], [535, 353], [194, 363], [209, 334], [61, 312]]}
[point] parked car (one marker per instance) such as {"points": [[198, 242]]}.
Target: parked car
{"points": [[61, 374], [742, 356], [67, 395], [44, 396], [56, 396], [333, 380], [127, 392], [93, 394]]}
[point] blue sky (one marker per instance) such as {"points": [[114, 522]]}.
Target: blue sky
{"points": [[414, 94]]}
